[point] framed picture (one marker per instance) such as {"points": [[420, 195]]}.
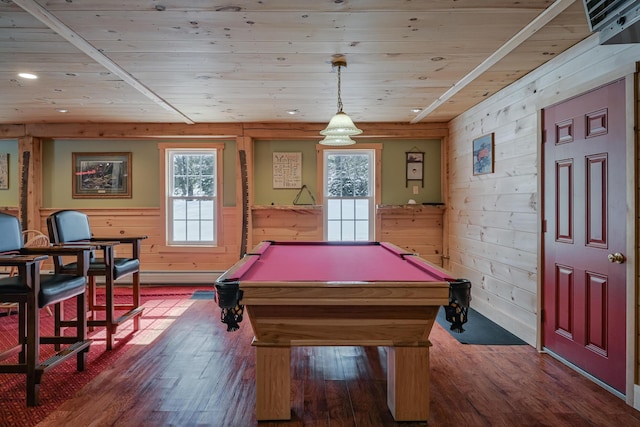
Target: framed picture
{"points": [[415, 167], [483, 155], [287, 170], [4, 171], [101, 175], [413, 156]]}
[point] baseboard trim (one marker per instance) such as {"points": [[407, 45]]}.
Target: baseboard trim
{"points": [[179, 277], [585, 373]]}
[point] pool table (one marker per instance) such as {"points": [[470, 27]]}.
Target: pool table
{"points": [[337, 293]]}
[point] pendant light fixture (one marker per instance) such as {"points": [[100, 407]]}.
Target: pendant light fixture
{"points": [[340, 127]]}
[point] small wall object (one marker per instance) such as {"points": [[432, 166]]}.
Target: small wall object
{"points": [[101, 175], [415, 167], [483, 155], [299, 200], [4, 171], [287, 170]]}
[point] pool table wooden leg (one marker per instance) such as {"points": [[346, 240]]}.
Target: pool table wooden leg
{"points": [[273, 383], [408, 383]]}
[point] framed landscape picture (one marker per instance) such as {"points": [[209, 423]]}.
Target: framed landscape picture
{"points": [[101, 175]]}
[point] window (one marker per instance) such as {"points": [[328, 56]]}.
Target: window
{"points": [[349, 194], [192, 195]]}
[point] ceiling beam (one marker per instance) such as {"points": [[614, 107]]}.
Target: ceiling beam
{"points": [[47, 18], [537, 24]]}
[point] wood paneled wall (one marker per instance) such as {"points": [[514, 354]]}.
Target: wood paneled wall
{"points": [[286, 223], [9, 210], [148, 221], [155, 256], [494, 220], [416, 228]]}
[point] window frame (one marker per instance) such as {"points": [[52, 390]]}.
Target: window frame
{"points": [[166, 149]]}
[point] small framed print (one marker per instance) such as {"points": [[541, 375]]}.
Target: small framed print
{"points": [[483, 154], [287, 170], [415, 167], [101, 175]]}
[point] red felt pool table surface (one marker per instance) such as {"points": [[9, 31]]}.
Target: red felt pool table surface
{"points": [[339, 262]]}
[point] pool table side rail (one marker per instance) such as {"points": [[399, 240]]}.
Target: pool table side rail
{"points": [[349, 293], [238, 269]]}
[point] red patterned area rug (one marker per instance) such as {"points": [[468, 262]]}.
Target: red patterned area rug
{"points": [[162, 305]]}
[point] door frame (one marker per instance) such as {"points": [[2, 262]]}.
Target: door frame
{"points": [[632, 85]]}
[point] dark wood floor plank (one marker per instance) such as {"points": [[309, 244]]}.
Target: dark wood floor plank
{"points": [[339, 408], [190, 371]]}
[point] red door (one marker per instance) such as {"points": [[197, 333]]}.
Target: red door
{"points": [[584, 318]]}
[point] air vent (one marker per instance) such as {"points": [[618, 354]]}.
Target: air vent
{"points": [[617, 21]]}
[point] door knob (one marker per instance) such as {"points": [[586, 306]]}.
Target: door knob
{"points": [[618, 258]]}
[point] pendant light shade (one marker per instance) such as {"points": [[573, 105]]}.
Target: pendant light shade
{"points": [[341, 124], [340, 127], [337, 140]]}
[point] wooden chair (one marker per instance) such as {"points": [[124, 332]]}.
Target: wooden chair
{"points": [[33, 291], [32, 239], [72, 227]]}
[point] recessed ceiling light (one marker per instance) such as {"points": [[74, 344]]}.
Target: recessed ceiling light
{"points": [[63, 110], [416, 110], [292, 112], [28, 76]]}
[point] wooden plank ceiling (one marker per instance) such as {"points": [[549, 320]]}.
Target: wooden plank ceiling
{"points": [[198, 61]]}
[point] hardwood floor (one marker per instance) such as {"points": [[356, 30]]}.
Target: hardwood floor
{"points": [[196, 373]]}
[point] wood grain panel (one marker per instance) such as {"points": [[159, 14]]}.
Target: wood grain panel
{"points": [[205, 63], [286, 224], [155, 255], [418, 229], [10, 210]]}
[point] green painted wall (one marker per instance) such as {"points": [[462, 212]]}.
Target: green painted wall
{"points": [[394, 189], [394, 184], [57, 172], [265, 194], [11, 198]]}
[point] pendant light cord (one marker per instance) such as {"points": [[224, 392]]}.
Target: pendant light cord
{"points": [[339, 93]]}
